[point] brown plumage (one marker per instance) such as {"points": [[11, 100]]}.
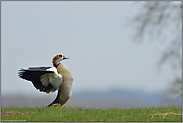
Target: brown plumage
{"points": [[50, 79]]}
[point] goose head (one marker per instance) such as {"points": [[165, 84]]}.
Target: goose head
{"points": [[58, 58]]}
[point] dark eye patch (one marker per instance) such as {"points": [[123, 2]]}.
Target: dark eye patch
{"points": [[60, 56]]}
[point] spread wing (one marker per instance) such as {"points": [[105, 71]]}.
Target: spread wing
{"points": [[45, 79]]}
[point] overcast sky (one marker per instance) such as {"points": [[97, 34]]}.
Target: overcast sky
{"points": [[96, 36]]}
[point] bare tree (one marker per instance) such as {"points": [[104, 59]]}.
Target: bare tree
{"points": [[154, 19]]}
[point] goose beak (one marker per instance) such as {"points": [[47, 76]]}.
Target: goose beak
{"points": [[65, 57]]}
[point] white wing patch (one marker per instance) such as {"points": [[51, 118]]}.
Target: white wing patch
{"points": [[52, 69], [55, 79]]}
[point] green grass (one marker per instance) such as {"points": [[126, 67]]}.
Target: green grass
{"points": [[81, 114]]}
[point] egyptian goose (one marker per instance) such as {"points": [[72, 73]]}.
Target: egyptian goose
{"points": [[50, 79]]}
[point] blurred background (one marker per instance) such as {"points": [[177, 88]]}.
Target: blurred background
{"points": [[122, 53]]}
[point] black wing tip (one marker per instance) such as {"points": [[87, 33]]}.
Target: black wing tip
{"points": [[20, 73]]}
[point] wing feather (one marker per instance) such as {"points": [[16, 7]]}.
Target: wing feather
{"points": [[55, 79], [45, 79]]}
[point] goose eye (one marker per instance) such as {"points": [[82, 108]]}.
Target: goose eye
{"points": [[60, 56]]}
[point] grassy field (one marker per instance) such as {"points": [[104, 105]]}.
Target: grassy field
{"points": [[81, 114]]}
